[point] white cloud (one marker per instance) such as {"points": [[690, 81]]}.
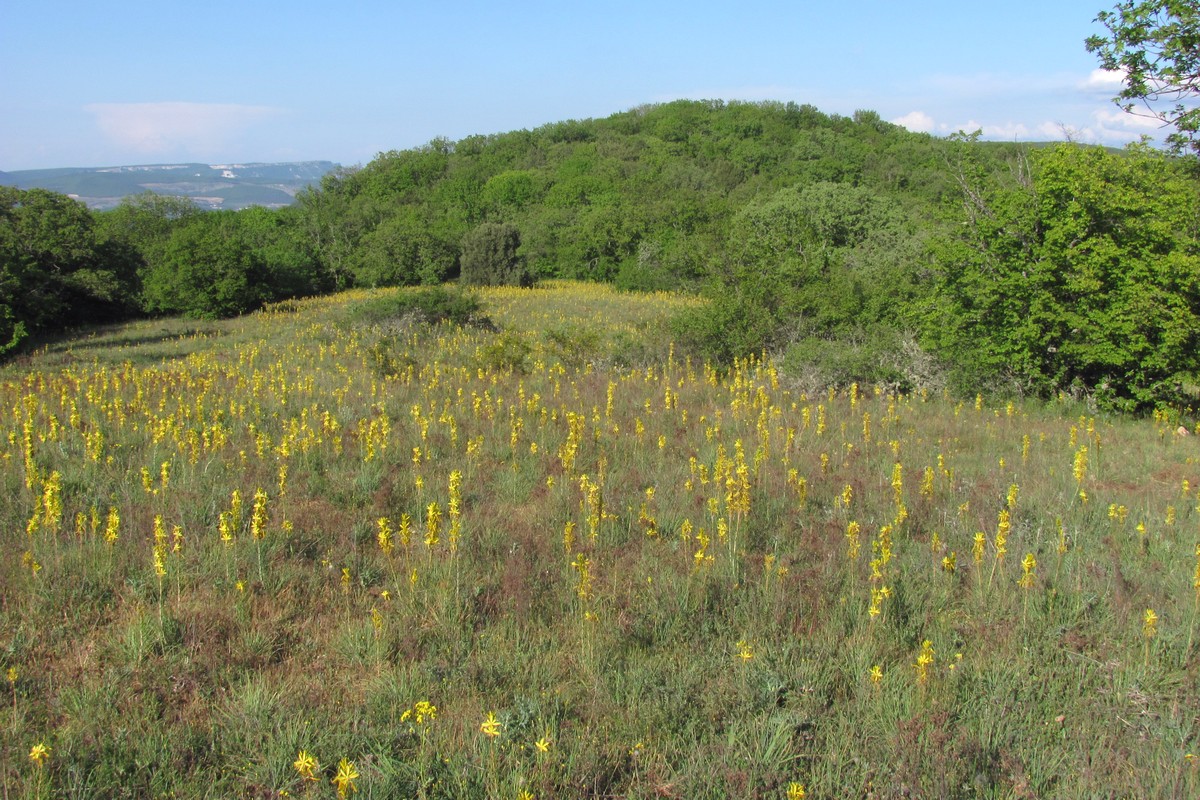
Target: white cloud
{"points": [[1007, 131], [917, 121], [1104, 80], [970, 126], [1054, 131], [176, 128], [1123, 120]]}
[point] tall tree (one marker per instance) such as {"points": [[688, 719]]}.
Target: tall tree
{"points": [[207, 270], [1156, 45], [1085, 274], [489, 256], [54, 272]]}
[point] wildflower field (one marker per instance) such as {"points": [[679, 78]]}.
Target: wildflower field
{"points": [[326, 550]]}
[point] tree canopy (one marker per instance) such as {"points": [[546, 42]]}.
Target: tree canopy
{"points": [[1155, 44], [1083, 273]]}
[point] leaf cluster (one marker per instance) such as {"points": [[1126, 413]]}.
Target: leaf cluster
{"points": [[1155, 44]]}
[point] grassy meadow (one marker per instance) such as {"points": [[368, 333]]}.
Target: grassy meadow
{"points": [[324, 550]]}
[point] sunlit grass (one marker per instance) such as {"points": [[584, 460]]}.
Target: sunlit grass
{"points": [[248, 557]]}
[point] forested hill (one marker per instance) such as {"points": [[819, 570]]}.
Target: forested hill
{"points": [[644, 197], [855, 249]]}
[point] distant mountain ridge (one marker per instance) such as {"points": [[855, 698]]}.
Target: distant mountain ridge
{"points": [[211, 186]]}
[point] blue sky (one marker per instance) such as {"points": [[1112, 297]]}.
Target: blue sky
{"points": [[110, 83]]}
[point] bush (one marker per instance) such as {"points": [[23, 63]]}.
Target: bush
{"points": [[428, 305], [573, 345], [1086, 276], [507, 353], [489, 257], [874, 356]]}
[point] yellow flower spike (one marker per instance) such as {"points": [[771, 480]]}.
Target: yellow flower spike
{"points": [[433, 518], [795, 791], [425, 712], [112, 526], [852, 539], [1028, 565], [744, 651], [1149, 624], [258, 515], [876, 674], [385, 537], [39, 753], [924, 660], [542, 745], [490, 727], [306, 765], [345, 777]]}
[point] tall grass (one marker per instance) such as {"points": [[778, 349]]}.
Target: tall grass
{"points": [[650, 578]]}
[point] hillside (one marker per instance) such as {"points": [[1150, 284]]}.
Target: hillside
{"points": [[553, 557], [219, 186], [855, 249]]}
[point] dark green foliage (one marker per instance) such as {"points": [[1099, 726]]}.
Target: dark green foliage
{"points": [[821, 265], [55, 270], [408, 248], [208, 269], [429, 305], [291, 264], [490, 257], [219, 264], [1083, 273]]}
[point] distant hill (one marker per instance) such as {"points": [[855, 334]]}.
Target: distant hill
{"points": [[212, 186]]}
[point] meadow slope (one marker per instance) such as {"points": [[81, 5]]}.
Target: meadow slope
{"points": [[327, 548]]}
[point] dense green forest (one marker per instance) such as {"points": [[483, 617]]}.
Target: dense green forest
{"points": [[855, 249]]}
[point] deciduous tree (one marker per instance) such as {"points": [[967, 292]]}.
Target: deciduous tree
{"points": [[1156, 45]]}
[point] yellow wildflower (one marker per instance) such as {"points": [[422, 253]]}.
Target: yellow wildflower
{"points": [[306, 765], [1149, 624], [490, 726], [39, 753], [345, 777]]}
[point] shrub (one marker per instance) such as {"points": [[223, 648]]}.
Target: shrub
{"points": [[508, 352], [489, 257], [429, 305]]}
